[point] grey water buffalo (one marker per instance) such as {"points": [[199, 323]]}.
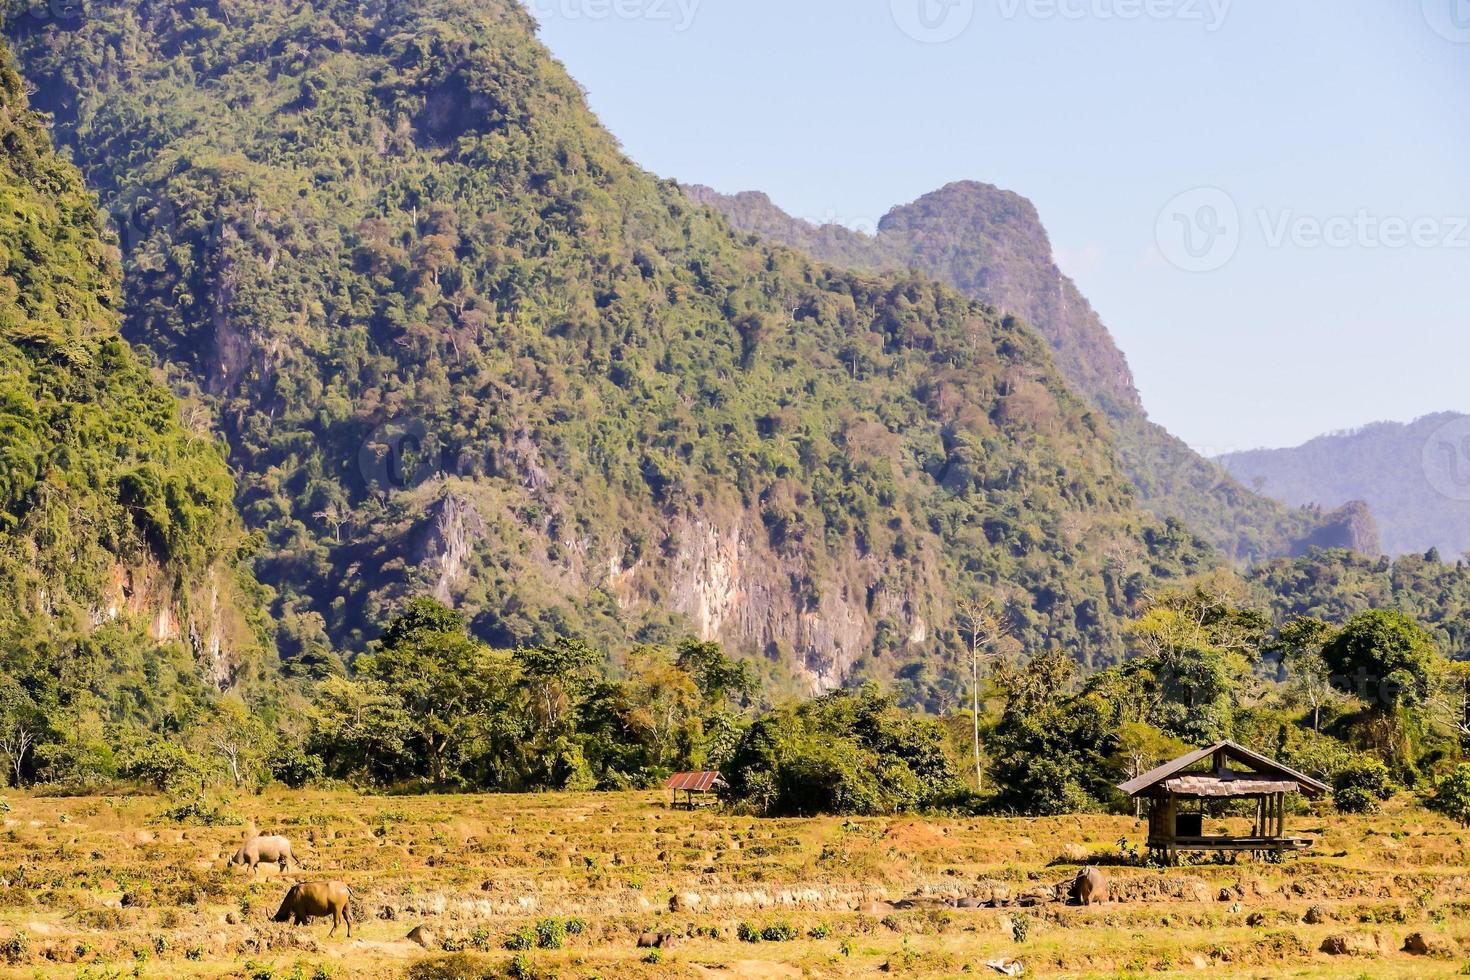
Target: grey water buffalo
{"points": [[264, 850], [1089, 887], [316, 899]]}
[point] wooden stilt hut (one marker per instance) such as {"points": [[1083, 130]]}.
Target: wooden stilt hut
{"points": [[695, 786], [1177, 792]]}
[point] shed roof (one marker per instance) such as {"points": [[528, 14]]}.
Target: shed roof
{"points": [[695, 782], [1262, 770], [1214, 786]]}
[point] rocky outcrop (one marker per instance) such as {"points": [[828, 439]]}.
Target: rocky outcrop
{"points": [[446, 541], [735, 587], [1351, 526], [203, 615], [990, 244]]}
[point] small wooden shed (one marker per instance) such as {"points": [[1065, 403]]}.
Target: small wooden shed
{"points": [[1177, 791], [696, 786]]}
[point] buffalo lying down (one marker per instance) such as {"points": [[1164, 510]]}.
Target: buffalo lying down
{"points": [[316, 899], [265, 850]]}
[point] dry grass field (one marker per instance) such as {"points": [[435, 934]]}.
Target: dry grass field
{"points": [[114, 887]]}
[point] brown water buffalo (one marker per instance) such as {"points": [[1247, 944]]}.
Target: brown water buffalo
{"points": [[1089, 888], [316, 899], [265, 850]]}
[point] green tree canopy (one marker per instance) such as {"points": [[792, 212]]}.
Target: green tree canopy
{"points": [[444, 681]]}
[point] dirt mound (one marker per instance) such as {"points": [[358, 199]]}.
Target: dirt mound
{"points": [[914, 835]]}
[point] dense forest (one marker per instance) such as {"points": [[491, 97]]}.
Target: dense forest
{"points": [[990, 245], [1414, 477], [122, 597], [1337, 585], [459, 345]]}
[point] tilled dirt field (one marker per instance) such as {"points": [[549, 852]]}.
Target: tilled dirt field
{"points": [[621, 886]]}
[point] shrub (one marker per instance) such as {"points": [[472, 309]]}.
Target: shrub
{"points": [[1452, 795], [576, 926], [522, 939], [1367, 774], [199, 810], [551, 934], [780, 932], [16, 950], [748, 933], [1355, 799]]}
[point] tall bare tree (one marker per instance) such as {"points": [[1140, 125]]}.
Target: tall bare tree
{"points": [[983, 628], [16, 743]]}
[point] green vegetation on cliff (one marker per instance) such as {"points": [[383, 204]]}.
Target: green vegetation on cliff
{"points": [[117, 526], [990, 245], [459, 344]]}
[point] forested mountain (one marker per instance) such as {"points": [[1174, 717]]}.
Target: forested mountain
{"points": [[121, 594], [990, 244], [459, 344], [1415, 477]]}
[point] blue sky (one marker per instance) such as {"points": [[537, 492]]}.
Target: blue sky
{"points": [[1323, 285]]}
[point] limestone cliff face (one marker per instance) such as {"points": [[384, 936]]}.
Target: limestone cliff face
{"points": [[448, 537], [201, 614], [721, 574], [734, 587]]}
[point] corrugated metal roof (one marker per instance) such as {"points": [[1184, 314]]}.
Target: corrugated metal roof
{"points": [[1258, 763], [694, 782]]}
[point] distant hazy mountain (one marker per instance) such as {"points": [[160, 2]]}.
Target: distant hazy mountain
{"points": [[990, 244], [1415, 477]]}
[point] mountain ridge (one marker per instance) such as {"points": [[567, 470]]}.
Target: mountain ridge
{"points": [[459, 344], [990, 244]]}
